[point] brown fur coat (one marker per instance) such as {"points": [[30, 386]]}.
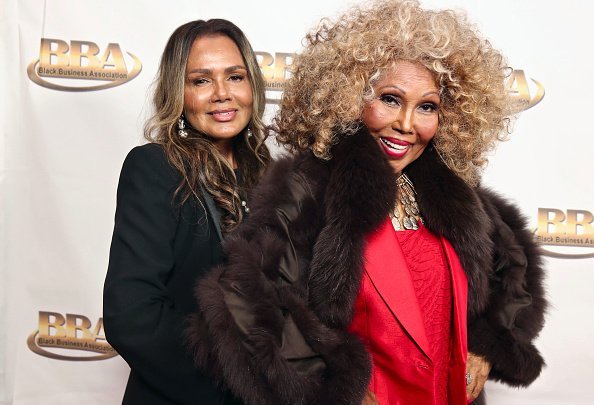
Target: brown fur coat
{"points": [[273, 321]]}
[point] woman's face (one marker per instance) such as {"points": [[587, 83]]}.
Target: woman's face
{"points": [[217, 93], [403, 116]]}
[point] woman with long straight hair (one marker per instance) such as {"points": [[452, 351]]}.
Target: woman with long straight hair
{"points": [[177, 197]]}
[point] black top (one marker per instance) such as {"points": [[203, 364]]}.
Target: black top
{"points": [[158, 251]]}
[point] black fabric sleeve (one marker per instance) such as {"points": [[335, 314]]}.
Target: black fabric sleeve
{"points": [[140, 320], [504, 334]]}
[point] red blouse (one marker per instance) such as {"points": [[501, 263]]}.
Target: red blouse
{"points": [[401, 367]]}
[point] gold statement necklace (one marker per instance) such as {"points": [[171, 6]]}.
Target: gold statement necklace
{"points": [[406, 215]]}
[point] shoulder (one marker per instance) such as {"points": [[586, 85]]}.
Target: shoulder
{"points": [[511, 226], [498, 206], [292, 172], [149, 162], [148, 154]]}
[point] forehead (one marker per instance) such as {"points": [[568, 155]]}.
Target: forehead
{"points": [[405, 74], [217, 49]]}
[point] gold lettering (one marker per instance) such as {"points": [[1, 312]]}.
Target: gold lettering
{"points": [[59, 53], [73, 327], [582, 226], [265, 63], [280, 65], [113, 58], [90, 54], [517, 86], [99, 333], [545, 221], [47, 325]]}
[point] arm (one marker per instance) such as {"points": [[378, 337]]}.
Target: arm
{"points": [[141, 322], [504, 334], [255, 330]]}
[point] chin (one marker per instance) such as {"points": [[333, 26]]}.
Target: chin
{"points": [[397, 169], [222, 135]]}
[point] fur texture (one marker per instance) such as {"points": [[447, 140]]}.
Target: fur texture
{"points": [[272, 324]]}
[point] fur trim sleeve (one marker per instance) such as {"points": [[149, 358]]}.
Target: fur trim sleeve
{"points": [[504, 333], [254, 331]]}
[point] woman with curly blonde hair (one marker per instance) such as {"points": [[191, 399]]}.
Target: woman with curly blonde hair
{"points": [[374, 268]]}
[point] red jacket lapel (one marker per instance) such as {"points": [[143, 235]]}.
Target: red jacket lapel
{"points": [[457, 387], [386, 267]]}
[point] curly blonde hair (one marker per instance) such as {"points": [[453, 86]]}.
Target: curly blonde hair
{"points": [[332, 80]]}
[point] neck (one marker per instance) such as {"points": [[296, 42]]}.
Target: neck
{"points": [[226, 149]]}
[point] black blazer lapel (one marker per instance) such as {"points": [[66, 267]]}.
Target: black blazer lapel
{"points": [[213, 210]]}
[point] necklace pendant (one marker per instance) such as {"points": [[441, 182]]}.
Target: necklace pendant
{"points": [[410, 217], [407, 223], [396, 223]]}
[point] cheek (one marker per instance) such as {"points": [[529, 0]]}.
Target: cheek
{"points": [[246, 97], [192, 101], [187, 102], [373, 118], [428, 130]]}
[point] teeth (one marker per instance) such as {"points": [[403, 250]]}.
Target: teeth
{"points": [[393, 145]]}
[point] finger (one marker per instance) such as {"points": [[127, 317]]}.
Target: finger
{"points": [[470, 387], [477, 386], [480, 384], [471, 393]]}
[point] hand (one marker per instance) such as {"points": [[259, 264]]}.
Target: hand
{"points": [[369, 399], [478, 367]]}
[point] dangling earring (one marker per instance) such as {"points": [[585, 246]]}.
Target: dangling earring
{"points": [[181, 127], [249, 132]]}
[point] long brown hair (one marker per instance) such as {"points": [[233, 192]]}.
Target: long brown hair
{"points": [[196, 158]]}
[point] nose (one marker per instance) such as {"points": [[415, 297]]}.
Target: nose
{"points": [[220, 92], [404, 121]]}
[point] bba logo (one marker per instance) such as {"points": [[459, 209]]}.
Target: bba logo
{"points": [[570, 233], [524, 94], [68, 337], [60, 62], [274, 70]]}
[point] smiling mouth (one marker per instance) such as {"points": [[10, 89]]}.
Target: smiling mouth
{"points": [[223, 115], [395, 146], [222, 112]]}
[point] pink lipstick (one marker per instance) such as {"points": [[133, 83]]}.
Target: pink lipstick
{"points": [[394, 147], [223, 115]]}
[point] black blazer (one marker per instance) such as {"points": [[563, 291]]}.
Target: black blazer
{"points": [[158, 251]]}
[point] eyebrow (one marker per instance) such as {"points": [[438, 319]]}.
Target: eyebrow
{"points": [[227, 70], [397, 88], [431, 92], [404, 92]]}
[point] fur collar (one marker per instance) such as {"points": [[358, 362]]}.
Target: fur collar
{"points": [[360, 193], [452, 209]]}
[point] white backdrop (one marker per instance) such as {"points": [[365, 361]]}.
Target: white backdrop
{"points": [[61, 152]]}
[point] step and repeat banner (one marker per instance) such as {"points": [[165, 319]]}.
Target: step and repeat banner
{"points": [[76, 81]]}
